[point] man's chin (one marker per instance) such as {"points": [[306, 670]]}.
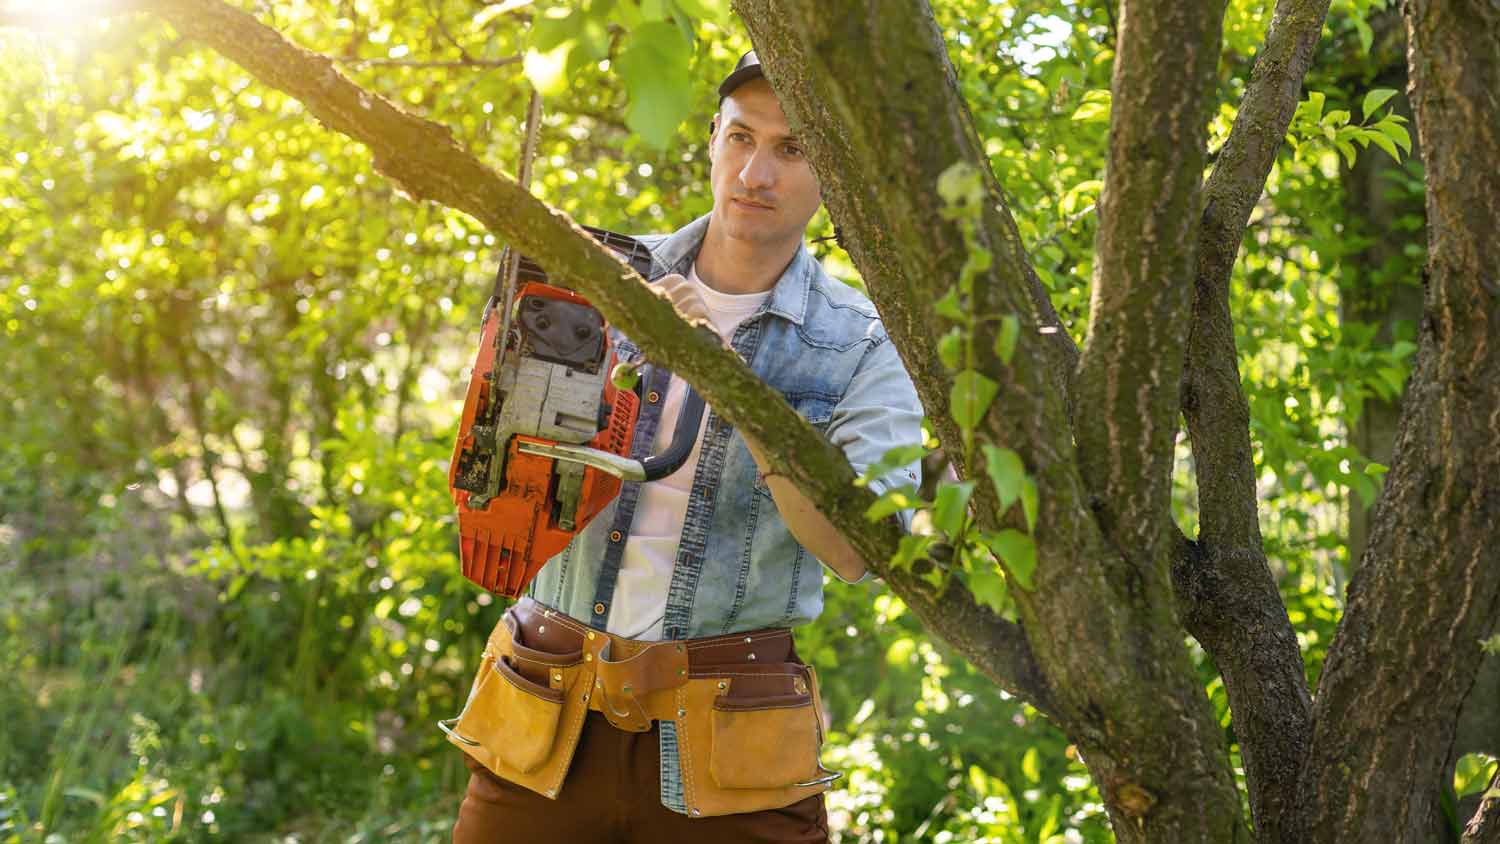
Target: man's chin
{"points": [[752, 234]]}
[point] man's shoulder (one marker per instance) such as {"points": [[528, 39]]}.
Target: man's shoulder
{"points": [[837, 314]]}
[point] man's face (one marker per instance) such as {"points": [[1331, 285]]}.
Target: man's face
{"points": [[764, 189]]}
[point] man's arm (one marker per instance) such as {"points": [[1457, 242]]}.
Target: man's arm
{"points": [[879, 411]]}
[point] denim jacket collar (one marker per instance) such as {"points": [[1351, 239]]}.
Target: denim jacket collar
{"points": [[789, 296]]}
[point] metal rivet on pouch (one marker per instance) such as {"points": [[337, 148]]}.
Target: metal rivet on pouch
{"points": [[696, 812], [748, 640], [585, 698], [681, 713], [541, 628], [681, 671], [625, 688], [557, 676], [546, 613], [752, 656], [588, 657], [723, 685], [591, 634]]}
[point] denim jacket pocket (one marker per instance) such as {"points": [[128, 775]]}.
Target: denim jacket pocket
{"points": [[817, 409]]}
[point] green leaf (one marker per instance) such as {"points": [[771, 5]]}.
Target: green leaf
{"points": [[1396, 132], [1006, 472], [988, 586], [960, 184], [545, 70], [1350, 154], [970, 398], [1031, 766], [1383, 141], [895, 500], [1336, 118], [1005, 340], [1312, 107], [1095, 107], [1374, 100], [913, 547], [951, 508], [1375, 470], [1017, 551], [655, 70], [950, 348], [897, 458], [714, 11], [950, 308]]}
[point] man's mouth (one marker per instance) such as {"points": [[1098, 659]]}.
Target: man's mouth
{"points": [[751, 204]]}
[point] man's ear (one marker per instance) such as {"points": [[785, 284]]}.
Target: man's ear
{"points": [[713, 133]]}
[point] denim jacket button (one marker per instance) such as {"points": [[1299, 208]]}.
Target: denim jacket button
{"points": [[653, 397], [598, 607], [614, 536]]}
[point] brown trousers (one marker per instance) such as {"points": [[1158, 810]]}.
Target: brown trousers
{"points": [[611, 796]]}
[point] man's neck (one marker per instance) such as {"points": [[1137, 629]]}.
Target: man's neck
{"points": [[735, 266]]}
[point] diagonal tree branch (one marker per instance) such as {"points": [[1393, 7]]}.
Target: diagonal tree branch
{"points": [[1227, 595], [423, 158]]}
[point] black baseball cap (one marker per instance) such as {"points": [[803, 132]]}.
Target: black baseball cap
{"points": [[746, 69]]}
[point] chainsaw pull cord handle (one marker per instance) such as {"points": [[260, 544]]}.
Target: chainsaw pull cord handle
{"points": [[684, 437]]}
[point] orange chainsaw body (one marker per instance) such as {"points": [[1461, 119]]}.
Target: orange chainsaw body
{"points": [[516, 509]]}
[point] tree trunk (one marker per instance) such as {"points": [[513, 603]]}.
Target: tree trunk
{"points": [[1407, 650]]}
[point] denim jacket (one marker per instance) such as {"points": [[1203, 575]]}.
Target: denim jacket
{"points": [[820, 343]]}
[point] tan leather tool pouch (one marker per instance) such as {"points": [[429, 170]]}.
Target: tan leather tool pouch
{"points": [[755, 749], [525, 712]]}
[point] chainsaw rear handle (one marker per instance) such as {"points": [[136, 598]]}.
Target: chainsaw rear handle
{"points": [[653, 468]]}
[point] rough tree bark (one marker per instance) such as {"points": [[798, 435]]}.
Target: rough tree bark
{"points": [[1407, 649], [1100, 644]]}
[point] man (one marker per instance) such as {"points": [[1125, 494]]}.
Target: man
{"points": [[718, 548]]}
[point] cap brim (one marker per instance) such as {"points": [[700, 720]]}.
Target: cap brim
{"points": [[738, 78]]}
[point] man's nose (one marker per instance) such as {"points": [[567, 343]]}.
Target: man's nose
{"points": [[759, 171]]}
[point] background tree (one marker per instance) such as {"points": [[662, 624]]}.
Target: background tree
{"points": [[1106, 560]]}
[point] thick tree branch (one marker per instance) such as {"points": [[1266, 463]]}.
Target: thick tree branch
{"points": [[1428, 588], [1228, 596], [1129, 375]]}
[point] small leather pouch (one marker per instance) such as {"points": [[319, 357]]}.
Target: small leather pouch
{"points": [[763, 742], [525, 712], [513, 718]]}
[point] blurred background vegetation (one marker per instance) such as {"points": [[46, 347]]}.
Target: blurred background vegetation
{"points": [[230, 606]]}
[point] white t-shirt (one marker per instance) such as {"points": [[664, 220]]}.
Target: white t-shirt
{"points": [[640, 599]]}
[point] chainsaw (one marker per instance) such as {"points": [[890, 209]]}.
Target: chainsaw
{"points": [[548, 421]]}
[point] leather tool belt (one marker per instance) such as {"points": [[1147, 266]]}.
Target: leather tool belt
{"points": [[748, 716]]}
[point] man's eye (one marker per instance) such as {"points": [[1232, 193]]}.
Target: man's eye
{"points": [[739, 137], [792, 150]]}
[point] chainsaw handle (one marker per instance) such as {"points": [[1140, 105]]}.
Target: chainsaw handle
{"points": [[685, 435]]}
